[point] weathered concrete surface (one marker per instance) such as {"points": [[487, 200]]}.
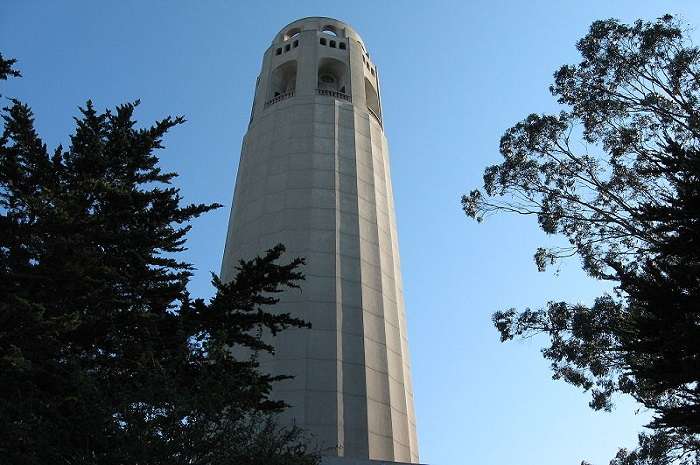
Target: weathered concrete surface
{"points": [[314, 175]]}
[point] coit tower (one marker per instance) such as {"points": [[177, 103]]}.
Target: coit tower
{"points": [[314, 176]]}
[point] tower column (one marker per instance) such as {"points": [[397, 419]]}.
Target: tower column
{"points": [[314, 175]]}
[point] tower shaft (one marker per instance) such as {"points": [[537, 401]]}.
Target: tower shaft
{"points": [[314, 175]]}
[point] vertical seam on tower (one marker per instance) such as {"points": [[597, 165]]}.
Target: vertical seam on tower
{"points": [[339, 297], [381, 283], [402, 327], [355, 117]]}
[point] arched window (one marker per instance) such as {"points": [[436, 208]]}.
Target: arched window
{"points": [[332, 75], [330, 30], [323, 41], [283, 79], [372, 100], [292, 33]]}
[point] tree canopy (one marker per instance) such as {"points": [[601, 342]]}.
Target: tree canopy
{"points": [[617, 173], [104, 356]]}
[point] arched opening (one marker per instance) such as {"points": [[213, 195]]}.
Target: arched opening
{"points": [[330, 30], [332, 75], [292, 33], [372, 100], [283, 80]]}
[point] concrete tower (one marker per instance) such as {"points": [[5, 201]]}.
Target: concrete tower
{"points": [[314, 175]]}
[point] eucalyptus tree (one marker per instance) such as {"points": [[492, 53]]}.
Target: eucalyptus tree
{"points": [[617, 173]]}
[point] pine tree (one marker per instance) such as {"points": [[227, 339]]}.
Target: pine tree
{"points": [[104, 356]]}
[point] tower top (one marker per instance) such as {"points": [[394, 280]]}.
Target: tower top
{"points": [[317, 23]]}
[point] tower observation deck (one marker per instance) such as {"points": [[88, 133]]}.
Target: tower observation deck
{"points": [[314, 176]]}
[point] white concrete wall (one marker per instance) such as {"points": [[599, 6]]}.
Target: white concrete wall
{"points": [[314, 175]]}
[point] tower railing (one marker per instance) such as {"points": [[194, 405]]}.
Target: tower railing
{"points": [[279, 98], [334, 94]]}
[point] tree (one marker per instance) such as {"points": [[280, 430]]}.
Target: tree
{"points": [[6, 69], [617, 172], [104, 357]]}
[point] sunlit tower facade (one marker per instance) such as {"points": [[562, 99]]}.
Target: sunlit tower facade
{"points": [[314, 175]]}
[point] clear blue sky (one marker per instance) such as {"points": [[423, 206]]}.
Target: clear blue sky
{"points": [[455, 75]]}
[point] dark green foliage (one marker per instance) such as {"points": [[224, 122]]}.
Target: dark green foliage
{"points": [[257, 439], [618, 174], [104, 358], [6, 69]]}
